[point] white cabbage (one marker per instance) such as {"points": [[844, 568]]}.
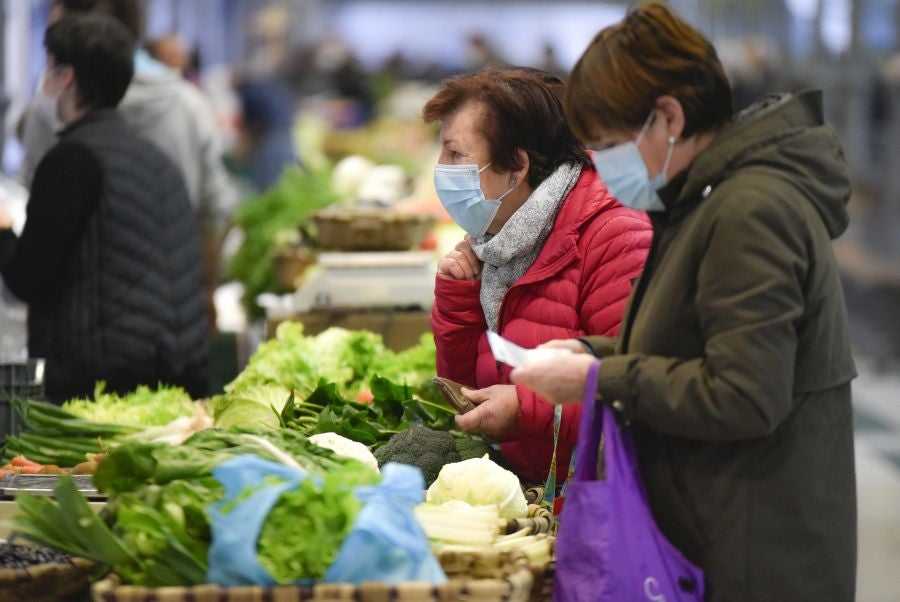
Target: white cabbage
{"points": [[479, 482], [346, 448]]}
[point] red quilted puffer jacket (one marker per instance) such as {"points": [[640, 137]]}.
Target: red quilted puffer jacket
{"points": [[579, 284]]}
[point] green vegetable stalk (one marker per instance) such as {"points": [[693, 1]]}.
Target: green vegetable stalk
{"points": [[285, 206]]}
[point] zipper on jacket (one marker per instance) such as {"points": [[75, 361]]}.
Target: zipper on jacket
{"points": [[658, 229]]}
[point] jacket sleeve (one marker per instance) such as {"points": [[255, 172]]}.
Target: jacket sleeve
{"points": [[601, 346], [38, 137], [749, 298], [457, 321], [65, 191], [614, 248]]}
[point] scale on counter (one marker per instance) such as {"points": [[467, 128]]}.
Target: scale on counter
{"points": [[43, 484], [366, 280]]}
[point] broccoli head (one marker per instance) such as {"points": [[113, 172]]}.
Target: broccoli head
{"points": [[422, 447], [470, 447]]}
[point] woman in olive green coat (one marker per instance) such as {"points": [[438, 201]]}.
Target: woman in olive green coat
{"points": [[734, 365]]}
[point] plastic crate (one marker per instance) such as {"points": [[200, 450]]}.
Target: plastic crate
{"points": [[18, 380]]}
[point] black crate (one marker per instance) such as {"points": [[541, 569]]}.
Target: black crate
{"points": [[18, 380]]}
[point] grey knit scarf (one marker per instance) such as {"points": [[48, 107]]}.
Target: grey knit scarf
{"points": [[508, 254]]}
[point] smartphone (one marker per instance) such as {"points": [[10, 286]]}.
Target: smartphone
{"points": [[453, 394]]}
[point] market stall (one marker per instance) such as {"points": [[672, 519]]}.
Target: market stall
{"points": [[330, 467]]}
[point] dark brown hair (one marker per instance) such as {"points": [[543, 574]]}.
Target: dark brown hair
{"points": [[100, 50], [523, 110], [650, 53], [127, 12]]}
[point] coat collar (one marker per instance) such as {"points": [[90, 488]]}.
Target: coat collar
{"points": [[588, 198]]}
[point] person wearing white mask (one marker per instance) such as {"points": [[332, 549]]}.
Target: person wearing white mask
{"points": [[548, 252], [109, 259], [733, 366], [170, 112]]}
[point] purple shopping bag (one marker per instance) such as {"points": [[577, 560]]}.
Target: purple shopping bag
{"points": [[609, 548]]}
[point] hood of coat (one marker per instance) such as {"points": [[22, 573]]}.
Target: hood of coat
{"points": [[152, 92], [787, 134]]}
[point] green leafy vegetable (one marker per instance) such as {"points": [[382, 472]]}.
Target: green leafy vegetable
{"points": [[298, 362], [393, 409], [156, 530], [285, 206], [133, 464], [159, 537], [252, 407], [143, 407], [305, 529], [347, 358]]}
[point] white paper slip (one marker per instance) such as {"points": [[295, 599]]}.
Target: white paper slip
{"points": [[513, 355]]}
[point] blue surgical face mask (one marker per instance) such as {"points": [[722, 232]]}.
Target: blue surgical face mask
{"points": [[625, 174], [459, 189]]}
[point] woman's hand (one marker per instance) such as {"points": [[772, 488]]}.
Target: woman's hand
{"points": [[573, 345], [559, 380], [461, 263], [497, 414]]}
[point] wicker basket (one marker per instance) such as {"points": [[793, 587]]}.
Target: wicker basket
{"points": [[46, 582], [290, 265], [371, 229], [489, 576]]}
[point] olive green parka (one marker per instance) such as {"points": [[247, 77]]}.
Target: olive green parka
{"points": [[734, 362]]}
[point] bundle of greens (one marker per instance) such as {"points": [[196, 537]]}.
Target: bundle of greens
{"points": [[156, 531], [305, 529], [285, 206], [51, 435], [393, 409], [143, 407], [133, 464]]}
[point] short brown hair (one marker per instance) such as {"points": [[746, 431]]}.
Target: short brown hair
{"points": [[523, 110], [127, 12], [650, 53]]}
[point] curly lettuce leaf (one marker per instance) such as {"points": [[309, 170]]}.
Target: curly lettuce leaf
{"points": [[142, 407]]}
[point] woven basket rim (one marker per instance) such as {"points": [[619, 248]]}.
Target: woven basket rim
{"points": [[75, 565], [515, 584]]}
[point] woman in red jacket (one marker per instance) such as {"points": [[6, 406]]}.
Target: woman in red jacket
{"points": [[549, 253]]}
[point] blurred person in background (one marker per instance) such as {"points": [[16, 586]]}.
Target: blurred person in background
{"points": [[170, 51], [109, 260], [549, 252], [550, 63], [169, 112], [734, 363], [265, 144], [481, 54]]}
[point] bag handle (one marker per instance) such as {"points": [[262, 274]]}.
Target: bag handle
{"points": [[590, 429]]}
